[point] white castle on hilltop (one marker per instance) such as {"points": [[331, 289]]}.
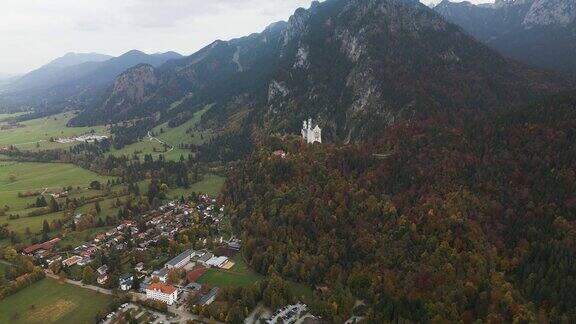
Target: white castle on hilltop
{"points": [[311, 135]]}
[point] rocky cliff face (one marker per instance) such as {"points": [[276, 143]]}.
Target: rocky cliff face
{"points": [[355, 66], [358, 66], [132, 85], [130, 90], [551, 13], [537, 32]]}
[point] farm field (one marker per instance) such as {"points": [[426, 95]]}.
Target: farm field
{"points": [[60, 303], [35, 134]]}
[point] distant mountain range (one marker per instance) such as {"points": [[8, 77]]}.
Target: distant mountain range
{"points": [[74, 79], [71, 59], [86, 69], [540, 33], [355, 66]]}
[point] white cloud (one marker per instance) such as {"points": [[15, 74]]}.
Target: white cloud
{"points": [[33, 32]]}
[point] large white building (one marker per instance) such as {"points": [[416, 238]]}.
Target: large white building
{"points": [[181, 260], [162, 292], [311, 135]]}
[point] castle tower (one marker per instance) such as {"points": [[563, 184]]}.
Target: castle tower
{"points": [[309, 134]]}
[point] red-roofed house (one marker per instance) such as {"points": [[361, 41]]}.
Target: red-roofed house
{"points": [[161, 292], [100, 238], [279, 153]]}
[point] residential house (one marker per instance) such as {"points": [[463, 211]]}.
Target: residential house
{"points": [[102, 270], [53, 259], [72, 260], [126, 281], [279, 153], [100, 238], [139, 267], [102, 279], [84, 261]]}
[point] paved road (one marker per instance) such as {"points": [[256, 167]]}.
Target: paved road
{"points": [[80, 284]]}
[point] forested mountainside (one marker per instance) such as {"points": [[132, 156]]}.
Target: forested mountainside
{"points": [[537, 32], [355, 66], [443, 220]]}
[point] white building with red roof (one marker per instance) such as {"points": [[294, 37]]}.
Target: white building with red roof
{"points": [[162, 292]]}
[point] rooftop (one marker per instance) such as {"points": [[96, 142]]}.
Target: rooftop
{"points": [[165, 289], [160, 273], [209, 295], [180, 257], [45, 246]]}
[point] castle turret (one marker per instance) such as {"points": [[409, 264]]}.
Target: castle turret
{"points": [[309, 134]]}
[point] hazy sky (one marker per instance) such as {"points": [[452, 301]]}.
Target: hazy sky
{"points": [[33, 32]]}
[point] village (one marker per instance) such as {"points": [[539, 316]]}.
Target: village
{"points": [[154, 262]]}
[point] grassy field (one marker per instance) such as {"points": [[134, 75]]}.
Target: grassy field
{"points": [[49, 301], [33, 223], [4, 117], [29, 176], [178, 134], [3, 267], [239, 276], [39, 131], [36, 177], [171, 136], [211, 184]]}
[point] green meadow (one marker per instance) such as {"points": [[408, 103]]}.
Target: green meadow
{"points": [[4, 116], [20, 177], [49, 301], [173, 137], [211, 184], [36, 134], [239, 276]]}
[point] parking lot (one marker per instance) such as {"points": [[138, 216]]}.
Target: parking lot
{"points": [[288, 314], [139, 313]]}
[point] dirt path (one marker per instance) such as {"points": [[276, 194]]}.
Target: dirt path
{"points": [[152, 138]]}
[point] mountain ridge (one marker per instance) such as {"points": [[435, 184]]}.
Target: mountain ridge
{"points": [[540, 33], [355, 66], [51, 89]]}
